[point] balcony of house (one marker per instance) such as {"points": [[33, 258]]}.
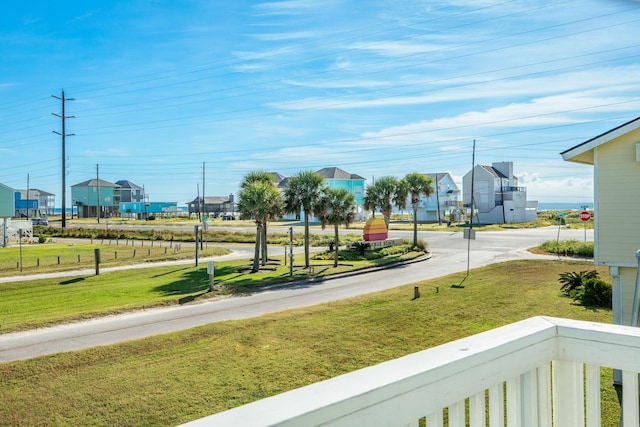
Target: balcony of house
{"points": [[510, 189], [538, 372]]}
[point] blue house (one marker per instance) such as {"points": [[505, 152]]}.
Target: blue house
{"points": [[25, 208], [142, 210]]}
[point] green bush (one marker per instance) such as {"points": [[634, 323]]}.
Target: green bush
{"points": [[395, 250], [572, 280], [569, 248], [42, 238], [360, 247], [594, 293]]}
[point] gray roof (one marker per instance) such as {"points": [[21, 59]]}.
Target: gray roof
{"points": [[95, 182], [128, 184], [213, 200], [34, 192], [493, 171], [337, 173]]}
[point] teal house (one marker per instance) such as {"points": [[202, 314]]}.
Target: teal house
{"points": [[338, 178], [7, 201], [96, 196], [354, 184]]}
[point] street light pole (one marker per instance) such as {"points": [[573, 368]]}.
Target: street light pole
{"points": [[195, 230]]}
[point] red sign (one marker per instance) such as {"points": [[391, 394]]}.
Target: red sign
{"points": [[585, 216]]}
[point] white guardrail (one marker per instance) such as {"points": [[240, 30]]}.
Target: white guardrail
{"points": [[505, 374]]}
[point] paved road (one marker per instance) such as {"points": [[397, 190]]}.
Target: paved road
{"points": [[449, 254]]}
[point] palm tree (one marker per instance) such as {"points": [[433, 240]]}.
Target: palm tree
{"points": [[417, 184], [337, 207], [266, 177], [259, 200], [383, 194], [303, 192]]}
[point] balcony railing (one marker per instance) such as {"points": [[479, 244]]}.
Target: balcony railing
{"points": [[503, 374]]}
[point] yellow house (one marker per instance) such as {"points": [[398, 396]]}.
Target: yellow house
{"points": [[615, 156]]}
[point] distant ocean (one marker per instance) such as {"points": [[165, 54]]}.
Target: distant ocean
{"points": [[564, 206], [541, 207], [58, 211]]}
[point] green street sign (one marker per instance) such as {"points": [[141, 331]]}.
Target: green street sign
{"points": [[561, 214]]}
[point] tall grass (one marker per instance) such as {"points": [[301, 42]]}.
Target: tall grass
{"points": [[174, 378], [570, 247]]}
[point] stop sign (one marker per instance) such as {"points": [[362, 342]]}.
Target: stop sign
{"points": [[585, 216]]}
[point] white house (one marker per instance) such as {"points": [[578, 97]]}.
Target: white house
{"points": [[497, 198], [444, 201]]}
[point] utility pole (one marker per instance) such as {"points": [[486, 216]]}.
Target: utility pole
{"points": [[98, 196], [27, 197], [199, 204], [63, 134], [144, 202], [204, 206], [438, 199]]}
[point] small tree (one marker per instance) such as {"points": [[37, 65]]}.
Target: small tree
{"points": [[258, 201], [383, 194], [304, 192], [336, 207], [417, 184]]}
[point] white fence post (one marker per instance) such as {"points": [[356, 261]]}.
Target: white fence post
{"points": [[568, 397]]}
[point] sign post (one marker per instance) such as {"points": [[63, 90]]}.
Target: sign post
{"points": [[195, 231], [585, 216], [290, 251], [211, 272]]}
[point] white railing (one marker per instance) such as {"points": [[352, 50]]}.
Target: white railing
{"points": [[503, 374]]}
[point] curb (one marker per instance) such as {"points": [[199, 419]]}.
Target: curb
{"points": [[316, 280]]}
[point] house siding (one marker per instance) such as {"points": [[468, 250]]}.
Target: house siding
{"points": [[616, 204], [7, 201], [616, 233], [353, 186]]}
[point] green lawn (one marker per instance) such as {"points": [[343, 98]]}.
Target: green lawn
{"points": [[174, 378], [44, 258], [36, 303]]}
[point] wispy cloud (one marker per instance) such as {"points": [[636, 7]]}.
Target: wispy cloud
{"points": [[287, 7]]}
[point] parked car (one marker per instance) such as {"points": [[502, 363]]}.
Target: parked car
{"points": [[228, 217], [39, 221]]}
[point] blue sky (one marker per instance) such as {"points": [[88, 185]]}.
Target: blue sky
{"points": [[373, 87]]}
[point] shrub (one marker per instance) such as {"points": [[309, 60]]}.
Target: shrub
{"points": [[572, 280], [569, 248], [594, 293], [42, 239], [395, 250], [360, 247]]}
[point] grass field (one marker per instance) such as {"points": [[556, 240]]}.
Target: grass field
{"points": [[174, 378], [42, 302], [43, 258]]}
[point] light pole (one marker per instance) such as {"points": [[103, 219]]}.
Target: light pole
{"points": [[20, 236], [195, 230], [290, 251]]}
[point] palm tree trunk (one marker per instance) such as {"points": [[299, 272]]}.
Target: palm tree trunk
{"points": [[265, 256], [256, 253], [306, 239], [415, 224], [335, 257]]}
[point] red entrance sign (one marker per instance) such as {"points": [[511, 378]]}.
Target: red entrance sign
{"points": [[585, 216]]}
